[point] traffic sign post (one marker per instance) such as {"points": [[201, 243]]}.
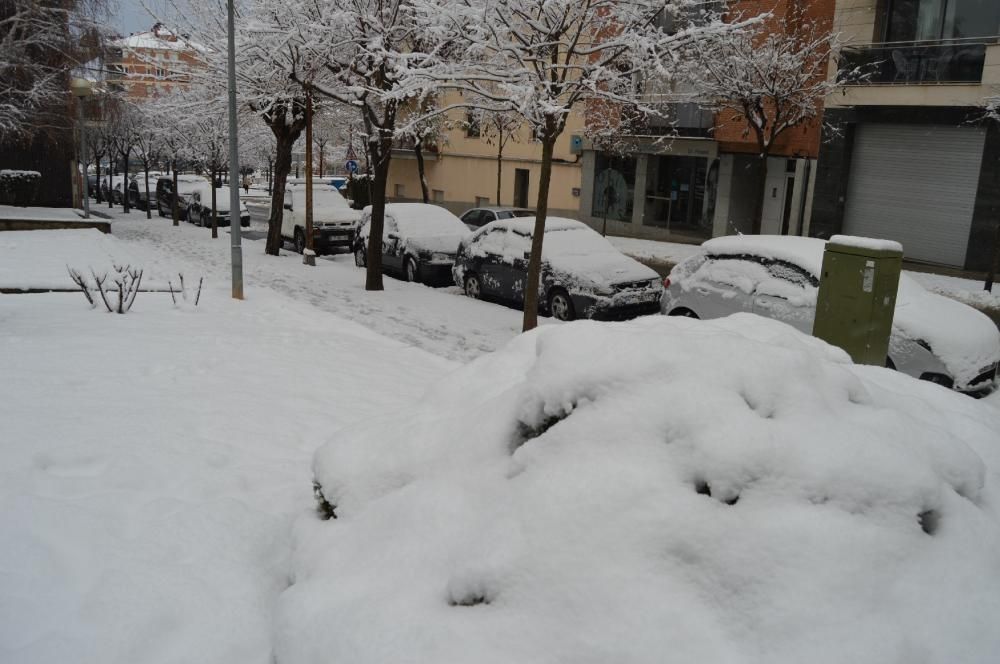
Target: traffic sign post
{"points": [[351, 166]]}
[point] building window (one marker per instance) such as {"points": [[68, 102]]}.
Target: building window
{"points": [[929, 20], [438, 196], [472, 128], [400, 191], [614, 187], [160, 73]]}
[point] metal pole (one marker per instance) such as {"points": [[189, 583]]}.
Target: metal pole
{"points": [[83, 159], [235, 223], [309, 253]]}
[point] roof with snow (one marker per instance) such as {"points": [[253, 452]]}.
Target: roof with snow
{"points": [[158, 38]]}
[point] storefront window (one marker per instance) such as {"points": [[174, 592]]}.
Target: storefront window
{"points": [[677, 196], [614, 187]]}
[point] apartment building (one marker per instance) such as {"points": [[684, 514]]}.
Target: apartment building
{"points": [[908, 155], [694, 174], [461, 168], [149, 63]]}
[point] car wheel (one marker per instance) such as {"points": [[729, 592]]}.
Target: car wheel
{"points": [[411, 270], [681, 311], [300, 240], [160, 211], [473, 288], [889, 364], [560, 305], [360, 259]]}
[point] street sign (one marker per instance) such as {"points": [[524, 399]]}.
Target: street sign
{"points": [[352, 166], [350, 153]]}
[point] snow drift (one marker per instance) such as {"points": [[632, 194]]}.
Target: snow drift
{"points": [[664, 490]]}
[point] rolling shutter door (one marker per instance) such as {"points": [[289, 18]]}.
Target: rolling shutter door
{"points": [[915, 184]]}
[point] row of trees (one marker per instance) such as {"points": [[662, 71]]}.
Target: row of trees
{"points": [[397, 70]]}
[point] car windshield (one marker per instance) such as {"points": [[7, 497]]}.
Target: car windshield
{"points": [[518, 213], [575, 242], [323, 199]]}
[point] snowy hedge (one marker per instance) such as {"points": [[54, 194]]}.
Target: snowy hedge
{"points": [[18, 187], [665, 490]]}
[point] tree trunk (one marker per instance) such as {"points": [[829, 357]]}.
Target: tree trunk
{"points": [[149, 202], [535, 261], [99, 198], [321, 146], [499, 167], [125, 205], [174, 212], [270, 175], [282, 167], [419, 152], [215, 214], [111, 182], [381, 152]]}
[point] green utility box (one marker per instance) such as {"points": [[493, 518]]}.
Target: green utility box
{"points": [[857, 296]]}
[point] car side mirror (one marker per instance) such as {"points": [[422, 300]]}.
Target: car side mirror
{"points": [[392, 236], [288, 206]]}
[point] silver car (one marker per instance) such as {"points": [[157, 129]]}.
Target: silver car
{"points": [[478, 217], [933, 337]]}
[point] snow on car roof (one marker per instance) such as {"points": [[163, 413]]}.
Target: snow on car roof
{"points": [[806, 252], [416, 219]]}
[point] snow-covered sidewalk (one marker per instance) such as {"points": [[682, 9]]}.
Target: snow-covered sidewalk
{"points": [[440, 320], [151, 466]]}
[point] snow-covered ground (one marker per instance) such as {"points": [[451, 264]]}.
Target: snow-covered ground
{"points": [[151, 466], [40, 213], [155, 473], [713, 491], [441, 320], [39, 259]]}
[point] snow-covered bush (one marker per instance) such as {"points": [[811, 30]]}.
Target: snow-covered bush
{"points": [[19, 187], [664, 490], [118, 295]]}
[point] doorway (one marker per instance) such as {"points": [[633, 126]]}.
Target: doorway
{"points": [[520, 187]]}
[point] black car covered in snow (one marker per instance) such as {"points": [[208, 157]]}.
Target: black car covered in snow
{"points": [[583, 275], [419, 241]]}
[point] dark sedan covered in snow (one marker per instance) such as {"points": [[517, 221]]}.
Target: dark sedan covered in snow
{"points": [[419, 241], [583, 275]]}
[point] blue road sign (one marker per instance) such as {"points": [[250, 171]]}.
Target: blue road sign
{"points": [[352, 166]]}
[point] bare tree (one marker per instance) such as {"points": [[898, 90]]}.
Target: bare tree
{"points": [[544, 60], [497, 128], [993, 114], [39, 43], [767, 80], [147, 149]]}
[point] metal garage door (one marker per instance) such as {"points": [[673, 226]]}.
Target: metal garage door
{"points": [[915, 184]]}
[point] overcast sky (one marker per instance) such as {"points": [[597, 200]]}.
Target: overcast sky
{"points": [[132, 16]]}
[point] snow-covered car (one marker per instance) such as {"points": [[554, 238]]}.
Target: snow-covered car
{"points": [[112, 187], [583, 275], [476, 218], [199, 208], [186, 184], [419, 241], [137, 195], [334, 221], [933, 337], [661, 490]]}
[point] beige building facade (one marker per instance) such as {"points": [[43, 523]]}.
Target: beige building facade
{"points": [[461, 170]]}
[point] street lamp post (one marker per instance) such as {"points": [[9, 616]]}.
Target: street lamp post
{"points": [[82, 88], [235, 223]]}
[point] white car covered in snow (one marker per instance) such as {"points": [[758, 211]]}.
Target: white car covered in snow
{"points": [[419, 241], [583, 275], [334, 221], [933, 337]]}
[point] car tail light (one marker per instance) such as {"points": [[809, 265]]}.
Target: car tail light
{"points": [[666, 282]]}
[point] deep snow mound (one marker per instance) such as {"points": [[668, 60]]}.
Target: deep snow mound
{"points": [[665, 490]]}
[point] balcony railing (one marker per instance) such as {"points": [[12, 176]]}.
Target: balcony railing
{"points": [[914, 64]]}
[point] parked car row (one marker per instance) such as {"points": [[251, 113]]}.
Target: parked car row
{"points": [[583, 275], [194, 201]]}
